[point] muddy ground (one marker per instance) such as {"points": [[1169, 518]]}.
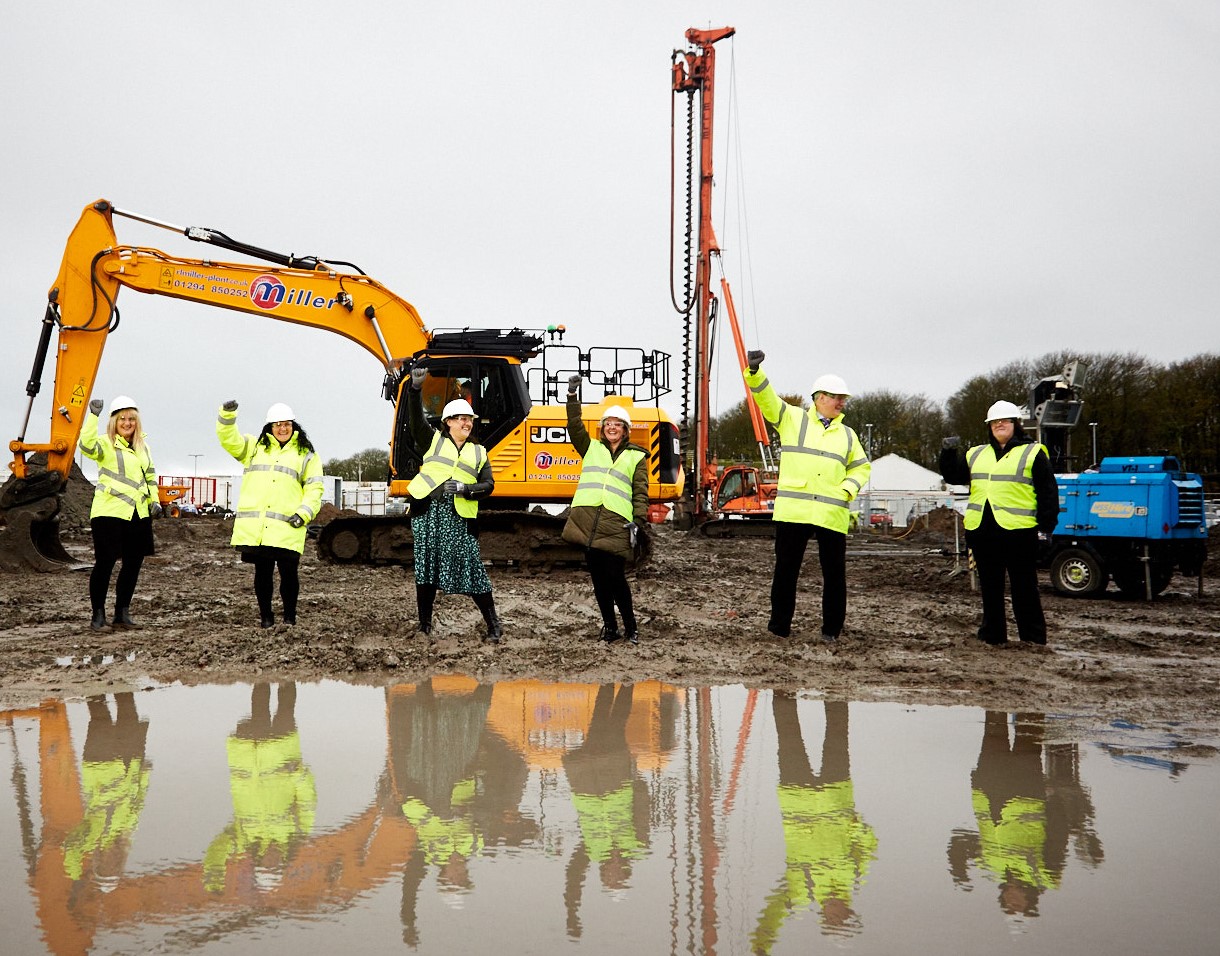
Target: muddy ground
{"points": [[703, 608]]}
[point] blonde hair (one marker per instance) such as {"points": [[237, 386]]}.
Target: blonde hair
{"points": [[137, 438]]}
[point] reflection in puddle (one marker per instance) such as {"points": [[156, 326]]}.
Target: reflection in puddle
{"points": [[89, 660], [453, 812]]}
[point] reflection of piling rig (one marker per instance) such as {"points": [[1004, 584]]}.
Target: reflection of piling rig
{"points": [[325, 870]]}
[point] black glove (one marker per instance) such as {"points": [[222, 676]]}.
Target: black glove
{"points": [[453, 487], [754, 358], [230, 405], [95, 406], [418, 377], [297, 521], [950, 442], [573, 384], [155, 510]]}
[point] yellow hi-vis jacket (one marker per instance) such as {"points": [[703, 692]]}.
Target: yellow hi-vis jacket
{"points": [[445, 461], [1014, 846], [1007, 485], [278, 482], [821, 469], [126, 479], [607, 481]]}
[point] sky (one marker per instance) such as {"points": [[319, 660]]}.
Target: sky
{"points": [[909, 193]]}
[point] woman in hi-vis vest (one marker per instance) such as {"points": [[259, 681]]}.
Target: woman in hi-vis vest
{"points": [[608, 517], [454, 476], [124, 501], [281, 492], [1013, 497]]}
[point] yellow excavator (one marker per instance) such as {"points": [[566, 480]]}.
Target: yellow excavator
{"points": [[522, 421]]}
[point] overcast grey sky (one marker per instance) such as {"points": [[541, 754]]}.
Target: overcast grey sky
{"points": [[930, 188]]}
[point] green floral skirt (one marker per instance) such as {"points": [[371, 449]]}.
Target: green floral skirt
{"points": [[446, 553]]}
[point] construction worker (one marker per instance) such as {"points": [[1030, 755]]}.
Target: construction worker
{"points": [[609, 513], [124, 500], [273, 790], [822, 469], [114, 777], [828, 846], [1013, 497], [454, 476], [1025, 815], [434, 742], [611, 801], [281, 492]]}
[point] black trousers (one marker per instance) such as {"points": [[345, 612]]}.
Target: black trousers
{"points": [[115, 540], [791, 540], [265, 561], [999, 553], [610, 588]]}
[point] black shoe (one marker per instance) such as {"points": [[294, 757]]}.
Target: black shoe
{"points": [[122, 618], [99, 622], [610, 635], [424, 629], [290, 618], [633, 637], [267, 620], [829, 638], [494, 630]]}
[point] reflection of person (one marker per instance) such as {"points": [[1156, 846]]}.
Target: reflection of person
{"points": [[609, 513], [433, 740], [1025, 817], [822, 469], [114, 778], [1013, 496], [281, 492], [124, 500], [274, 795], [828, 846], [454, 477], [611, 801]]}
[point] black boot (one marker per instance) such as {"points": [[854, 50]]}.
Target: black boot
{"points": [[425, 597], [122, 618], [610, 633], [486, 603], [267, 619], [99, 622]]}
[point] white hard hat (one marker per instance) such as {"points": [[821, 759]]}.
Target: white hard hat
{"points": [[1001, 410], [459, 406], [616, 411], [831, 384], [123, 401], [279, 412]]}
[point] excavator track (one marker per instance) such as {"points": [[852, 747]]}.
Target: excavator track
{"points": [[523, 539], [738, 528]]}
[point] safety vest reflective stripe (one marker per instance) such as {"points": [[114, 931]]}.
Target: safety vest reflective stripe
{"points": [[809, 496]]}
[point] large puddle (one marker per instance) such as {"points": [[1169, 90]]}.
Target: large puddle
{"points": [[523, 817]]}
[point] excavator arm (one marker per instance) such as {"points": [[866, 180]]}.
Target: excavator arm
{"points": [[82, 313]]}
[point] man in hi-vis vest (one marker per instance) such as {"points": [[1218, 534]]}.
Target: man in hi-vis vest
{"points": [[821, 470]]}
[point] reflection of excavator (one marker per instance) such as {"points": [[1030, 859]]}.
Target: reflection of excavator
{"points": [[721, 500], [521, 421]]}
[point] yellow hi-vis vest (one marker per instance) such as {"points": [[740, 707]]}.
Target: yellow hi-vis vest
{"points": [[443, 463], [606, 481], [821, 469], [1007, 484], [1014, 847], [126, 479]]}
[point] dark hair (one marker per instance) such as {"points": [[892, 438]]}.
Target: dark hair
{"points": [[266, 438]]}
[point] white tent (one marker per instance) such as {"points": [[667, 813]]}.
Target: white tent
{"points": [[903, 488]]}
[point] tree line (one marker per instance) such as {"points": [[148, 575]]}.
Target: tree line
{"points": [[1139, 407]]}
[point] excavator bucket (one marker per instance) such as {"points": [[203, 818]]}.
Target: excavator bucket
{"points": [[29, 524]]}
